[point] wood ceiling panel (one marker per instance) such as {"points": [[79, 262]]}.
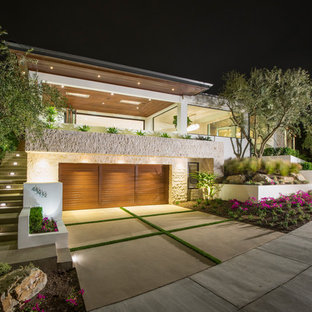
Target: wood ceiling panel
{"points": [[90, 72], [111, 102]]}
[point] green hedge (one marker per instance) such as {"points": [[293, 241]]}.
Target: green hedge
{"points": [[277, 151], [35, 219], [306, 166]]}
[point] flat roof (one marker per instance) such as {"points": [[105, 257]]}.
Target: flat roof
{"points": [[86, 68]]}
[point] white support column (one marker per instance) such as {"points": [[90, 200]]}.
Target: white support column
{"points": [[182, 118]]}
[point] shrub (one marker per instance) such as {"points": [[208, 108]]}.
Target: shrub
{"points": [[307, 166], [4, 268], [140, 133], [165, 135], [112, 130], [35, 219], [186, 136], [84, 128], [276, 151], [203, 138], [207, 182]]}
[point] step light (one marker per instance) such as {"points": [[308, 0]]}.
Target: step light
{"points": [[17, 155], [3, 204], [8, 187], [12, 173], [15, 163]]}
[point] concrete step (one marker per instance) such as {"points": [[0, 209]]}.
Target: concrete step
{"points": [[12, 190], [16, 186], [8, 236], [11, 227], [7, 178], [8, 245], [11, 203], [12, 181], [16, 171], [11, 196], [64, 259], [10, 209], [9, 218]]}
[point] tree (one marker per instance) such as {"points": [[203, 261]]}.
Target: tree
{"points": [[272, 99], [24, 101]]}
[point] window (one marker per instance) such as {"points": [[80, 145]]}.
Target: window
{"points": [[103, 121], [164, 121], [193, 167], [208, 121]]}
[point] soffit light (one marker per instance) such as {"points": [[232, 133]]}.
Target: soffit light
{"points": [[130, 102], [99, 76], [112, 93], [51, 67], [78, 94], [192, 127], [172, 89], [139, 82]]}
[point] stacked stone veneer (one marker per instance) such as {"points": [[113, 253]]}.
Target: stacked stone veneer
{"points": [[59, 146]]}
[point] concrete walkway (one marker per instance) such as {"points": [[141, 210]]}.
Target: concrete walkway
{"points": [[122, 270], [274, 277]]}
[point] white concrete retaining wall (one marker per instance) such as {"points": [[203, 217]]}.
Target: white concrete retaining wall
{"points": [[243, 192], [289, 158]]}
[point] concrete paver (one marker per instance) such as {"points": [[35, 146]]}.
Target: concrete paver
{"points": [[182, 296], [295, 295], [249, 276], [303, 231], [154, 209], [180, 220], [73, 216], [292, 247], [229, 239], [116, 272], [86, 234]]}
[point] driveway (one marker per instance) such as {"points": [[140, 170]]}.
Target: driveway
{"points": [[120, 253]]}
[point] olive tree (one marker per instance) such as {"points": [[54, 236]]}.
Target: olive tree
{"points": [[272, 99], [24, 101]]}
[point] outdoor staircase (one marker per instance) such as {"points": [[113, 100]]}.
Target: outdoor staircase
{"points": [[13, 173]]}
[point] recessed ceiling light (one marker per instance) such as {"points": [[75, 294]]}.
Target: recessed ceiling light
{"points": [[103, 103], [78, 94], [137, 108], [130, 102], [51, 67], [139, 82], [99, 76], [62, 86], [172, 89]]}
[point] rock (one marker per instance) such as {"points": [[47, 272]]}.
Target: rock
{"points": [[299, 177], [20, 285], [287, 180], [236, 179], [260, 177]]}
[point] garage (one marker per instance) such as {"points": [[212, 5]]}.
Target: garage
{"points": [[89, 186]]}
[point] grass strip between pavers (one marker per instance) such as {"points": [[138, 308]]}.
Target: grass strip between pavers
{"points": [[198, 226], [126, 218], [99, 221], [183, 242], [114, 241]]}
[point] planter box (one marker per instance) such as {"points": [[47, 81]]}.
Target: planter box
{"points": [[26, 240], [307, 174], [243, 192]]}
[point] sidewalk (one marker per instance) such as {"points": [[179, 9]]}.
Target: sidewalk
{"points": [[274, 277]]}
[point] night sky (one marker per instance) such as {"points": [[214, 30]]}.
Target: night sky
{"points": [[200, 40]]}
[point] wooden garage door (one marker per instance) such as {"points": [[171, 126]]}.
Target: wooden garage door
{"points": [[113, 185]]}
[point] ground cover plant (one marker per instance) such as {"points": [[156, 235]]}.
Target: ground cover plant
{"points": [[38, 224], [284, 214]]}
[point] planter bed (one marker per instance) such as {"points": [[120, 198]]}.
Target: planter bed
{"points": [[26, 240], [243, 192]]}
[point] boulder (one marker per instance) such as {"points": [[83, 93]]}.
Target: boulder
{"points": [[236, 179], [260, 177], [20, 285], [287, 180], [299, 177]]}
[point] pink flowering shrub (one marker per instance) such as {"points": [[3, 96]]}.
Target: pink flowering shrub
{"points": [[282, 213]]}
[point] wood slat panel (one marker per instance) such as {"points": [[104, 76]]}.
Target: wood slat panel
{"points": [[80, 186], [152, 184], [116, 185]]}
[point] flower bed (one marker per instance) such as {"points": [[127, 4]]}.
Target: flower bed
{"points": [[284, 214], [38, 224]]}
